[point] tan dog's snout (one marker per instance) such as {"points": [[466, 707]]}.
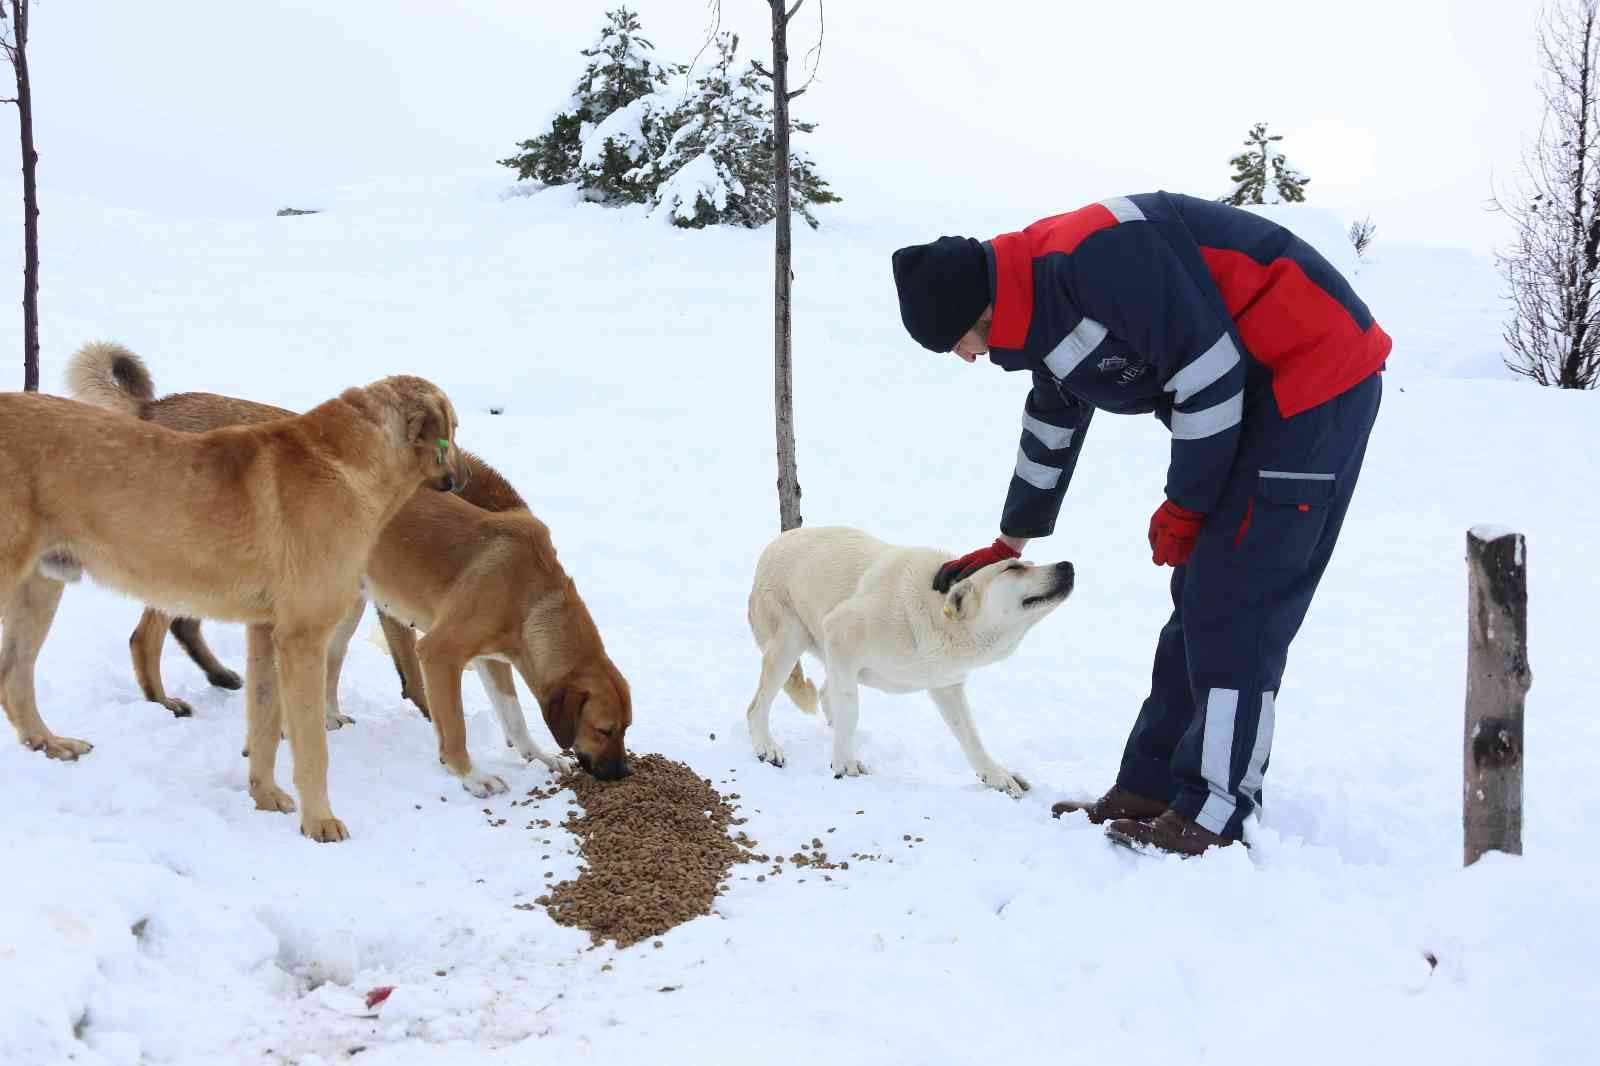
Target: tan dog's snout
{"points": [[431, 427], [455, 472]]}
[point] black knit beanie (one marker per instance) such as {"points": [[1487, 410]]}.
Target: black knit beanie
{"points": [[944, 287]]}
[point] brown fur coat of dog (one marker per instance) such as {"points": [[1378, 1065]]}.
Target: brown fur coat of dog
{"points": [[478, 572], [270, 525]]}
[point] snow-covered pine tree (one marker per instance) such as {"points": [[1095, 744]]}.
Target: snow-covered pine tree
{"points": [[615, 162], [622, 69], [718, 165], [1261, 175]]}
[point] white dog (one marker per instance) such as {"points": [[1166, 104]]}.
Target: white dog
{"points": [[868, 610]]}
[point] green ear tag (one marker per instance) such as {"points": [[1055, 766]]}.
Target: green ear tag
{"points": [[444, 449]]}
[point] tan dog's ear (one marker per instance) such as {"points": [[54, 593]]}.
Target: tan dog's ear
{"points": [[561, 714], [961, 603], [417, 420]]}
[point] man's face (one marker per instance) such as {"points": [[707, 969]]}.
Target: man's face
{"points": [[975, 341]]}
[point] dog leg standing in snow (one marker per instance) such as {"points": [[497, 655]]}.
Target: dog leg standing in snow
{"points": [[868, 611], [1265, 365]]}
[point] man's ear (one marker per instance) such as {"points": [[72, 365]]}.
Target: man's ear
{"points": [[962, 601]]}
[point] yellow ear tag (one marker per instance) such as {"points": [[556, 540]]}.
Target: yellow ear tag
{"points": [[949, 611]]}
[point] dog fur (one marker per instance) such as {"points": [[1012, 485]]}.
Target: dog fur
{"points": [[108, 375], [477, 571], [269, 525], [868, 610]]}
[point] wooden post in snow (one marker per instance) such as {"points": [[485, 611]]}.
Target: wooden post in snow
{"points": [[1498, 679]]}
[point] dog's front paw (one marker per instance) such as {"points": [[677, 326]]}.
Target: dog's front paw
{"points": [[66, 749], [327, 830], [524, 746], [999, 779], [483, 785], [332, 720], [768, 752], [847, 768], [272, 798], [226, 678], [559, 765], [178, 707]]}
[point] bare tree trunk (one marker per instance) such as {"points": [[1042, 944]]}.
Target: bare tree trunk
{"points": [[16, 50], [1552, 268], [783, 384], [1498, 679], [30, 211]]}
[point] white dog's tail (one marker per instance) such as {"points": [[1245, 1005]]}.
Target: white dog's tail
{"points": [[803, 692], [107, 375]]}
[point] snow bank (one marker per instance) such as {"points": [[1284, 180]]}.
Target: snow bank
{"points": [[632, 362]]}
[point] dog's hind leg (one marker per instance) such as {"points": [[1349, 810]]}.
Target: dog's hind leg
{"points": [[953, 708], [145, 647], [187, 633], [401, 641], [782, 641], [497, 682], [26, 611], [338, 644]]}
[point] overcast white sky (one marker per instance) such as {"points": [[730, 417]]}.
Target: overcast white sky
{"points": [[973, 114]]}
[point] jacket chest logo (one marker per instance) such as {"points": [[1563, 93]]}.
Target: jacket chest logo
{"points": [[1126, 370]]}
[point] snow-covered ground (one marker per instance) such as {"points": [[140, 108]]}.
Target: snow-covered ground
{"points": [[633, 365]]}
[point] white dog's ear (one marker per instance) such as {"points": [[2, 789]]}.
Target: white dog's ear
{"points": [[961, 603]]}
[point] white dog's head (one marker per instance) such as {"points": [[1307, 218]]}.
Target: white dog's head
{"points": [[1009, 596]]}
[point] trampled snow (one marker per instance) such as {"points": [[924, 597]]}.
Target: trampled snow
{"points": [[152, 915]]}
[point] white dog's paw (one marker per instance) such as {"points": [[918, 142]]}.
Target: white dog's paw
{"points": [[769, 752], [999, 779], [847, 768], [332, 720], [483, 785]]}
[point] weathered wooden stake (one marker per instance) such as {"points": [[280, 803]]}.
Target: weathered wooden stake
{"points": [[1498, 679]]}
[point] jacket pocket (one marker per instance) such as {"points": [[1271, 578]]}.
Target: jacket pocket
{"points": [[1285, 520]]}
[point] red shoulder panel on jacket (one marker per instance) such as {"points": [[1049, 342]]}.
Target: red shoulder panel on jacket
{"points": [[1014, 254]]}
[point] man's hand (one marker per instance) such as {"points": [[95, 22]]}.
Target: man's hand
{"points": [[1173, 532], [970, 563]]}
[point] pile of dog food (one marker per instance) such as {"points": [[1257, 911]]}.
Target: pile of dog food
{"points": [[656, 848]]}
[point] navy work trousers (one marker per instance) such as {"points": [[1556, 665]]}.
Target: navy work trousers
{"points": [[1204, 735]]}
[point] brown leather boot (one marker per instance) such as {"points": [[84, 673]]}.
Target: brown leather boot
{"points": [[1171, 833], [1118, 803]]}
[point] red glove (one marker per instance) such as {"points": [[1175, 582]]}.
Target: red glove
{"points": [[970, 563], [1173, 531]]}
